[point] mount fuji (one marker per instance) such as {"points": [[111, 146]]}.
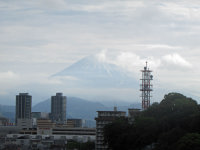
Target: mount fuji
{"points": [[93, 72]]}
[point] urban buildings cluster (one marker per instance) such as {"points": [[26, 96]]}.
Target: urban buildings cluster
{"points": [[42, 130], [25, 118]]}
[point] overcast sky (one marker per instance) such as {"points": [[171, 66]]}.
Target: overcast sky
{"points": [[41, 37]]}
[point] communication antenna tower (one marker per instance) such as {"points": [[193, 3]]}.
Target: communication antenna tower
{"points": [[146, 87]]}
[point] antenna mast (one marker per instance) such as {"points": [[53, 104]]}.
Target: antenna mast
{"points": [[146, 87]]}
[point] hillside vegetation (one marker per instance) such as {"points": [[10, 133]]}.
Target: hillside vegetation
{"points": [[172, 124]]}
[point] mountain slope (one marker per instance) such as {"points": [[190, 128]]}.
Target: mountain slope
{"points": [[92, 72], [79, 108], [76, 108], [8, 112]]}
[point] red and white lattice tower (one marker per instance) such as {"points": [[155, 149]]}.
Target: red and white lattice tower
{"points": [[146, 87]]}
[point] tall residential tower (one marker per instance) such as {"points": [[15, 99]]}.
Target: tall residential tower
{"points": [[23, 110], [58, 108]]}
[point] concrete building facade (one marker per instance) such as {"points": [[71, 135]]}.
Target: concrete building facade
{"points": [[105, 117], [37, 116], [44, 126], [75, 123], [58, 108], [24, 123], [23, 110]]}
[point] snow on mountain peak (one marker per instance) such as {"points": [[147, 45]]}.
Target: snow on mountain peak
{"points": [[94, 70], [101, 57]]}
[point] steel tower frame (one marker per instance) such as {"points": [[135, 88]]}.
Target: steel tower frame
{"points": [[146, 87]]}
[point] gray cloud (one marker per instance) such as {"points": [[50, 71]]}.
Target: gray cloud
{"points": [[46, 36]]}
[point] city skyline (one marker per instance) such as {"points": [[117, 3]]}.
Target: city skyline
{"points": [[39, 39]]}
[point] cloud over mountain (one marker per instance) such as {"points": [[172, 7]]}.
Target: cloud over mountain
{"points": [[94, 71]]}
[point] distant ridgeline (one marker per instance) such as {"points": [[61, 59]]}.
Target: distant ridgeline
{"points": [[8, 112], [76, 108]]}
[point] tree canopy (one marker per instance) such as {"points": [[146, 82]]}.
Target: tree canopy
{"points": [[163, 126]]}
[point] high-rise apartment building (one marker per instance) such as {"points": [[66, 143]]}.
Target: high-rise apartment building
{"points": [[58, 108], [23, 110]]}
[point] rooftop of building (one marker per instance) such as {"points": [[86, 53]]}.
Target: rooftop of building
{"points": [[23, 94]]}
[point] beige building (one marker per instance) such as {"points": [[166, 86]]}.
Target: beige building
{"points": [[44, 126]]}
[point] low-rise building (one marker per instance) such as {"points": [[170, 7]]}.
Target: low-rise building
{"points": [[105, 117], [45, 126], [24, 123], [4, 121], [38, 115], [28, 139], [75, 123]]}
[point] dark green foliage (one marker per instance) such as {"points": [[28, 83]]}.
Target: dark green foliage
{"points": [[161, 127], [117, 131], [190, 141], [71, 145], [167, 140]]}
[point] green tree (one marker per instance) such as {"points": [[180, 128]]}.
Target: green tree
{"points": [[71, 145], [116, 134], [159, 127], [190, 141]]}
